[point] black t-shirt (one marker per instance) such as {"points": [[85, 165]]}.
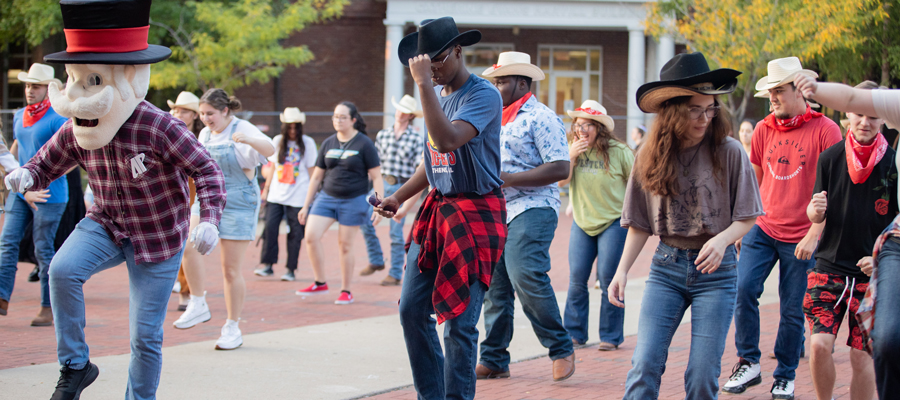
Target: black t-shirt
{"points": [[856, 214], [347, 165]]}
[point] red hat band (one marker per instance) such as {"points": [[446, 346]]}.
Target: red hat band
{"points": [[119, 40]]}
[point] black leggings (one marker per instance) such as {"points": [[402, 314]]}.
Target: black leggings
{"points": [[274, 214]]}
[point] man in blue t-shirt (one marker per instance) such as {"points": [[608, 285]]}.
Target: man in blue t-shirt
{"points": [[33, 126], [460, 231]]}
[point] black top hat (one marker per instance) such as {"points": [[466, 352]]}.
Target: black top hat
{"points": [[107, 32], [434, 36], [685, 74]]}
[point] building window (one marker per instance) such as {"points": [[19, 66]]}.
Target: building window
{"points": [[482, 56], [573, 75]]}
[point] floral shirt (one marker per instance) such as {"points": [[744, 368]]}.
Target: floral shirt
{"points": [[535, 137]]}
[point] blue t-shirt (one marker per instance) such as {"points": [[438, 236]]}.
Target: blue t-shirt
{"points": [[474, 167], [32, 138]]}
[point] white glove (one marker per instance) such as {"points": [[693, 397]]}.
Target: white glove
{"points": [[19, 180], [205, 236]]}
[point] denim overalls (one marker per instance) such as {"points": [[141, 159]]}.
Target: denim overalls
{"points": [[241, 211]]}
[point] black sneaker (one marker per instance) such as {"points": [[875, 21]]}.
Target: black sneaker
{"points": [[73, 381], [35, 276], [265, 270]]}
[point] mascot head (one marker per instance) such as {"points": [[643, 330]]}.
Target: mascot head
{"points": [[108, 62]]}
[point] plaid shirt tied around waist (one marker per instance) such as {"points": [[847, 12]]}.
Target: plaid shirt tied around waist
{"points": [[866, 313], [149, 207], [463, 237]]}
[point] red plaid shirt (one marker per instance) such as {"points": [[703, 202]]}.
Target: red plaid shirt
{"points": [[463, 237], [152, 208]]}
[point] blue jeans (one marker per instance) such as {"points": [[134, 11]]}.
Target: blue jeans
{"points": [[87, 251], [373, 246], [607, 249], [44, 223], [759, 252], [435, 376], [523, 270], [673, 286], [886, 332]]}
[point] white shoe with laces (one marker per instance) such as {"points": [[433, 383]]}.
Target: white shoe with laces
{"points": [[783, 389], [231, 336], [197, 312], [743, 375]]}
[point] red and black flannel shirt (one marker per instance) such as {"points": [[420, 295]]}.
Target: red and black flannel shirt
{"points": [[463, 237], [152, 208]]}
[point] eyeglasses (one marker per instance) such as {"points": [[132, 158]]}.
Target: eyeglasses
{"points": [[341, 118], [710, 112], [582, 127], [439, 64]]}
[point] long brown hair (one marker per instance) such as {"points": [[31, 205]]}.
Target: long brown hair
{"points": [[601, 142], [285, 137], [657, 161]]}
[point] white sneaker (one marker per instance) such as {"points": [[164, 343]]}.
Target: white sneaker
{"points": [[743, 375], [783, 389], [197, 311], [231, 336], [177, 287]]}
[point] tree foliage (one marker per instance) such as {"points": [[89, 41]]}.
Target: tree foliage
{"points": [[746, 34], [28, 21]]}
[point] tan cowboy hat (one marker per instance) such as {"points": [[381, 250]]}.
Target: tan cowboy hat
{"points": [[407, 105], [42, 74], [186, 100], [591, 109], [514, 63], [292, 115], [781, 72]]}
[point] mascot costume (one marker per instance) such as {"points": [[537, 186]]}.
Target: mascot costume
{"points": [[138, 159]]}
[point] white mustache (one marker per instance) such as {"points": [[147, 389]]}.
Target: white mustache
{"points": [[92, 107]]}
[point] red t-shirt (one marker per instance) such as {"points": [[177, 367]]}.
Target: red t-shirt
{"points": [[788, 160]]}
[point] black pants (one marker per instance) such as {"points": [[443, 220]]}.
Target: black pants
{"points": [[274, 214]]}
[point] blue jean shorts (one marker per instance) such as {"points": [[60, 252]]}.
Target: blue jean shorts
{"points": [[241, 213], [347, 212]]}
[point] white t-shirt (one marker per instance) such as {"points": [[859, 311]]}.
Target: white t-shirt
{"points": [[292, 194], [247, 156]]}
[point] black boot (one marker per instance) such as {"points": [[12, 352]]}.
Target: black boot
{"points": [[35, 276], [73, 381]]}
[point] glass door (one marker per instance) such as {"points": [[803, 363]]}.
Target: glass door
{"points": [[573, 76]]}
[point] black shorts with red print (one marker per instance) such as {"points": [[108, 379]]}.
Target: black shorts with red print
{"points": [[824, 313]]}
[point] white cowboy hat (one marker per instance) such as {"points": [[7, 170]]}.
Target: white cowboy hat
{"points": [[186, 100], [406, 105], [42, 74], [591, 109], [781, 72], [514, 63], [292, 115]]}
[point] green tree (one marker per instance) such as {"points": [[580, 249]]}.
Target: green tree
{"points": [[236, 43], [28, 21], [746, 34]]}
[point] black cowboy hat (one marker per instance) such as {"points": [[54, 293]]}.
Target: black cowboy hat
{"points": [[685, 74], [434, 36], [107, 32]]}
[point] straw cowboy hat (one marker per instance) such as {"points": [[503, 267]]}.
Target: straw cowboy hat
{"points": [[292, 115], [41, 74], [433, 37], [591, 109], [781, 72], [685, 75], [186, 100], [107, 32], [407, 105], [514, 63]]}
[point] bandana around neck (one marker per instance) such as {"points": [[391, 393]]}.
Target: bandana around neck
{"points": [[862, 159], [34, 112], [510, 111], [784, 125]]}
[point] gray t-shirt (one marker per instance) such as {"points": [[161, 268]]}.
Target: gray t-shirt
{"points": [[706, 205]]}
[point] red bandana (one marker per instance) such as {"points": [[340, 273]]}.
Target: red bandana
{"points": [[860, 160], [784, 125], [34, 112], [510, 111]]}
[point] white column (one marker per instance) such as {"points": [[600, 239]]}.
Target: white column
{"points": [[636, 69], [419, 123], [393, 70], [665, 50]]}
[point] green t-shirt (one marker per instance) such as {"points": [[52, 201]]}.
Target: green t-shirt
{"points": [[597, 191]]}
